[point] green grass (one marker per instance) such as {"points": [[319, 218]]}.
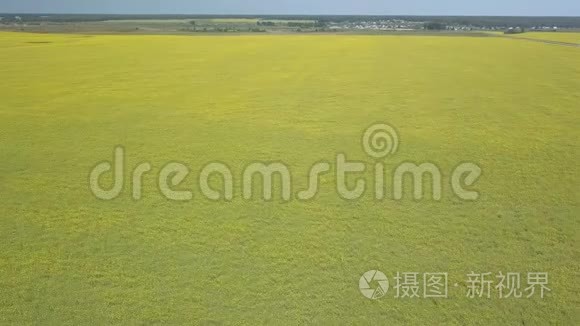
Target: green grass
{"points": [[552, 36], [68, 258]]}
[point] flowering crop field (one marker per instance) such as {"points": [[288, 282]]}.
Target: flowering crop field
{"points": [[554, 36], [68, 101]]}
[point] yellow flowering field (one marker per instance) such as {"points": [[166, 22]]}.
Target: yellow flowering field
{"points": [[67, 101]]}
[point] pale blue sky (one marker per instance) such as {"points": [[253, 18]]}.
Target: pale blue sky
{"points": [[351, 7]]}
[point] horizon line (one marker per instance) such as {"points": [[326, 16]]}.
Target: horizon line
{"points": [[281, 14]]}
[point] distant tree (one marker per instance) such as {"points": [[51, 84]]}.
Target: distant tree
{"points": [[266, 23], [301, 24], [434, 26]]}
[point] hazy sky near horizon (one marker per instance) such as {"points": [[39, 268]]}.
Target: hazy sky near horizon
{"points": [[303, 7]]}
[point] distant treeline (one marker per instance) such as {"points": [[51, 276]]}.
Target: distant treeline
{"points": [[292, 23], [566, 22], [483, 21]]}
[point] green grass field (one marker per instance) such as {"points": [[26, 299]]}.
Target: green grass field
{"points": [[551, 36], [68, 100]]}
